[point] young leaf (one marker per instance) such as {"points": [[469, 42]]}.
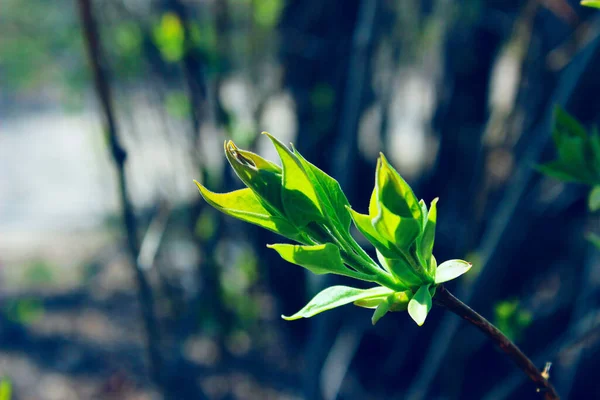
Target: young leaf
{"points": [[336, 296], [401, 269], [395, 193], [420, 305], [401, 231], [594, 199], [429, 236], [319, 259], [382, 309], [329, 193], [299, 197], [243, 204], [451, 269], [260, 175]]}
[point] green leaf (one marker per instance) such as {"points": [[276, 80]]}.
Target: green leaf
{"points": [[395, 193], [299, 197], [594, 199], [424, 212], [243, 204], [451, 269], [329, 192], [336, 296], [420, 305], [365, 226], [401, 269], [591, 3], [262, 176], [400, 231], [398, 301], [319, 259], [429, 236], [382, 309]]}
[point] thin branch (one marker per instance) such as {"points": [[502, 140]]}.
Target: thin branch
{"points": [[447, 300], [119, 155]]}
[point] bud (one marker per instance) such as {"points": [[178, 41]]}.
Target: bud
{"points": [[262, 176], [395, 226]]}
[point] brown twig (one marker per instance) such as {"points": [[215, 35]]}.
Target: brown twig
{"points": [[101, 82], [447, 300]]}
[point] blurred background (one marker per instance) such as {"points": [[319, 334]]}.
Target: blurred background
{"points": [[118, 282]]}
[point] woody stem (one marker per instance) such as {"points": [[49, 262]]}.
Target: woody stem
{"points": [[447, 300]]}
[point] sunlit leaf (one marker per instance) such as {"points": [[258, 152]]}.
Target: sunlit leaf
{"points": [[262, 176], [420, 305], [401, 231], [329, 192], [395, 193], [364, 225], [382, 309], [319, 259], [429, 236], [336, 296], [300, 199], [243, 204], [401, 269], [451, 269]]}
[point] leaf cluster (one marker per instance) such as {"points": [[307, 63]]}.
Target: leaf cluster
{"points": [[301, 202]]}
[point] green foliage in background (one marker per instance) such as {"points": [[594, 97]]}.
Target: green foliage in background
{"points": [[302, 203], [578, 155], [511, 319]]}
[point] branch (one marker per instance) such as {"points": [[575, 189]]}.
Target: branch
{"points": [[101, 82], [447, 300]]}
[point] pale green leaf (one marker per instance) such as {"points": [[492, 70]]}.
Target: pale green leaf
{"points": [[244, 205], [262, 176], [429, 236], [420, 305], [451, 269], [336, 296], [319, 259], [382, 309]]}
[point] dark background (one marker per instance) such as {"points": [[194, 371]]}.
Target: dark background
{"points": [[156, 295]]}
